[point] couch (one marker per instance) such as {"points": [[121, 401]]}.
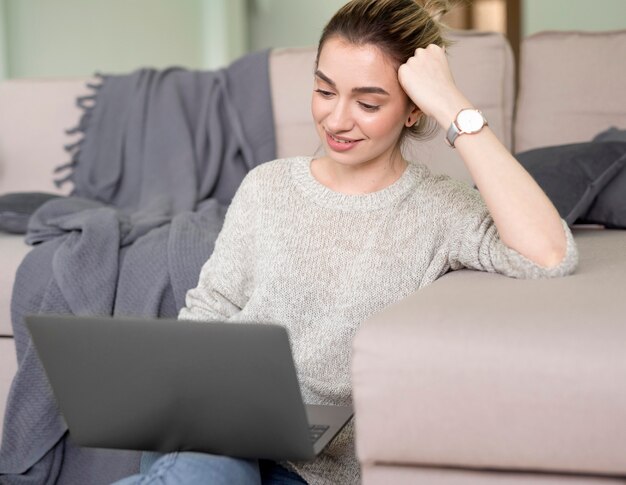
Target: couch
{"points": [[482, 379], [522, 380]]}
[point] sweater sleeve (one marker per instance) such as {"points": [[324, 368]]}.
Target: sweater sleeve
{"points": [[475, 242], [226, 279]]}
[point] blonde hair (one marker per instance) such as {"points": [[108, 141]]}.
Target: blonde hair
{"points": [[397, 28]]}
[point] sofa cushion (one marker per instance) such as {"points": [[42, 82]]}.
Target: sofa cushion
{"points": [[13, 251], [33, 118], [612, 134], [610, 206], [573, 175], [482, 64], [562, 99], [482, 371]]}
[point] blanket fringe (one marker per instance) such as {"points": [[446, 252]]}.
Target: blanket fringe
{"points": [[87, 104]]}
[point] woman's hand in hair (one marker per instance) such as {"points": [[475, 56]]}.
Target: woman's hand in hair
{"points": [[428, 81]]}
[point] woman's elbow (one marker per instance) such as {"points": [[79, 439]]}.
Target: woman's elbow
{"points": [[553, 258], [562, 257]]}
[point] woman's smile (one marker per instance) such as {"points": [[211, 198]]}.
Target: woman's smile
{"points": [[339, 143]]}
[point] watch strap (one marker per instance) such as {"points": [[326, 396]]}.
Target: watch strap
{"points": [[452, 134]]}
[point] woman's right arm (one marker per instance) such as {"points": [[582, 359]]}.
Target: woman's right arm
{"points": [[226, 279]]}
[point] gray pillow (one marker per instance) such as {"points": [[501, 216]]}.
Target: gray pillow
{"points": [[612, 134], [610, 206], [16, 208], [574, 175]]}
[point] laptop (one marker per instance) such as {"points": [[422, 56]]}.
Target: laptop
{"points": [[171, 385]]}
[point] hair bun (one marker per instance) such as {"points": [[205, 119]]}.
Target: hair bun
{"points": [[436, 8]]}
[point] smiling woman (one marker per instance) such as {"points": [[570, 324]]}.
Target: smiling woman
{"points": [[360, 111], [319, 245]]}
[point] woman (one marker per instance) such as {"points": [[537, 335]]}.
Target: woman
{"points": [[320, 244]]}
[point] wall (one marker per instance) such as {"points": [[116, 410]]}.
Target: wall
{"points": [[77, 37], [299, 22], [41, 38], [538, 15], [289, 23], [3, 46]]}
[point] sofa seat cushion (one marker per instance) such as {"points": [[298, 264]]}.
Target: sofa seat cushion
{"points": [[531, 379], [13, 251]]}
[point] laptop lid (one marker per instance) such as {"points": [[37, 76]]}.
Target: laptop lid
{"points": [[166, 385]]}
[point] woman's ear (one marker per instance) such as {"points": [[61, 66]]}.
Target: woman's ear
{"points": [[413, 117]]}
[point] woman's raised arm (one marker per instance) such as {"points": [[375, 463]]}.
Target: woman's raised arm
{"points": [[526, 219]]}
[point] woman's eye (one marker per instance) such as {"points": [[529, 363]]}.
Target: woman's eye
{"points": [[325, 94], [369, 107]]}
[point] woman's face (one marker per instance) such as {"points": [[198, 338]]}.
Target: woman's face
{"points": [[358, 105]]}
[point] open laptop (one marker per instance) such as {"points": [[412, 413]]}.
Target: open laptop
{"points": [[167, 385]]}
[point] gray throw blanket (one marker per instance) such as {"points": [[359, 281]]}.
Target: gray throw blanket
{"points": [[162, 154]]}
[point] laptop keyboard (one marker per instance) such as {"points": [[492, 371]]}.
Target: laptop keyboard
{"points": [[316, 430]]}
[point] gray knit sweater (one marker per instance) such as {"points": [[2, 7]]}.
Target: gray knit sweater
{"points": [[319, 262]]}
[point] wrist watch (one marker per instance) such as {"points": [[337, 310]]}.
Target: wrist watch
{"points": [[468, 121]]}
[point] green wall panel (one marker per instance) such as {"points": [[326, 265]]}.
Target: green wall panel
{"points": [[78, 37], [541, 15]]}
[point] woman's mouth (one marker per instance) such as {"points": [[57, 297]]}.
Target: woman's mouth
{"points": [[340, 144]]}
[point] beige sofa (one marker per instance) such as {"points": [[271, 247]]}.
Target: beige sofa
{"points": [[476, 374], [481, 379]]}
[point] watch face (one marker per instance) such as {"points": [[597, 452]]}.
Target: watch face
{"points": [[470, 120]]}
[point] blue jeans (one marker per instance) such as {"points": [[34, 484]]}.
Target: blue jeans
{"points": [[201, 468]]}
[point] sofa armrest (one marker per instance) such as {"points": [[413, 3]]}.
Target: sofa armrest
{"points": [[483, 371]]}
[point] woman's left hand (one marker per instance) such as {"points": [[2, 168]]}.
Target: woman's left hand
{"points": [[428, 81]]}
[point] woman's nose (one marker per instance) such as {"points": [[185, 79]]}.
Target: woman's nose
{"points": [[339, 118]]}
